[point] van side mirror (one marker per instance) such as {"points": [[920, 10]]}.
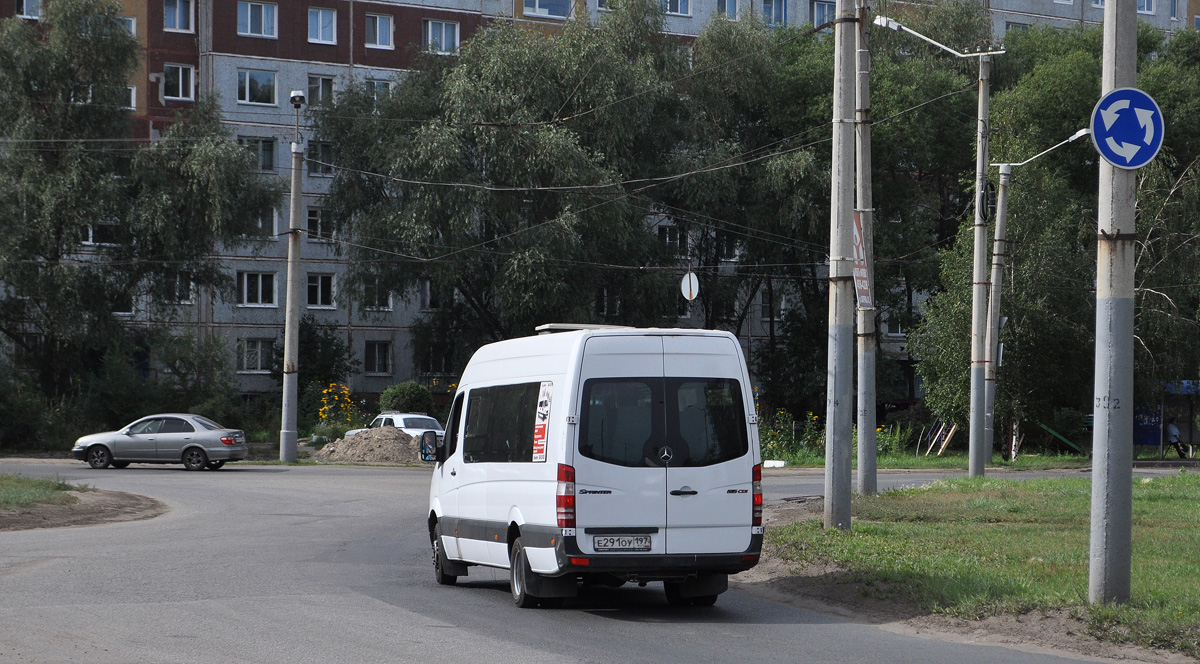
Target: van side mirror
{"points": [[431, 448]]}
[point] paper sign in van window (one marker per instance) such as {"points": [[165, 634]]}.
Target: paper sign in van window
{"points": [[542, 421]]}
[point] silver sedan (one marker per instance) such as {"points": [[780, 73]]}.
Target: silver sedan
{"points": [[193, 440]]}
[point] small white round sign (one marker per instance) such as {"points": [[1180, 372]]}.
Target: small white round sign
{"points": [[690, 286]]}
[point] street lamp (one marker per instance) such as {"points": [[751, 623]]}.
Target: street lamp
{"points": [[978, 453], [993, 315], [291, 316]]}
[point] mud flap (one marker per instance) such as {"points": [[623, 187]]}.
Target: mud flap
{"points": [[551, 586]]}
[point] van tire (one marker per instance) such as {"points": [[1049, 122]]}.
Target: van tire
{"points": [[518, 575], [440, 561]]}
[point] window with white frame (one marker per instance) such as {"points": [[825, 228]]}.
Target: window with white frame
{"points": [[256, 87], [1097, 3], [256, 289], [320, 291], [29, 8], [180, 290], [264, 223], [429, 296], [377, 357], [823, 12], [177, 15], [263, 150], [256, 19], [441, 37], [1064, 2], [320, 224], [681, 7], [553, 8], [728, 8], [1009, 26], [254, 355], [1174, 10], [674, 239], [320, 89], [378, 88], [102, 233], [775, 12], [770, 304], [376, 296], [132, 90], [320, 158], [379, 31], [122, 304], [727, 246], [1145, 6], [177, 82], [129, 23], [322, 25], [892, 328]]}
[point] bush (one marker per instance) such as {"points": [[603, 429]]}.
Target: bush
{"points": [[407, 397]]}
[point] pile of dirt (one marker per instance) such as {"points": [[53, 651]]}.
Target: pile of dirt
{"points": [[380, 445]]}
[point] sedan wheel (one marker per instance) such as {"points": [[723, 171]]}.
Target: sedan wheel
{"points": [[194, 458], [215, 465], [120, 464], [99, 457]]}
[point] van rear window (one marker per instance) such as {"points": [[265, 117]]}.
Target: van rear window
{"points": [[626, 421]]}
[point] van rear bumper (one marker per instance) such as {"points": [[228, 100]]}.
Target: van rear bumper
{"points": [[658, 566]]}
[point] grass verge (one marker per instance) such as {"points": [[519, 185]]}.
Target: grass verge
{"points": [[978, 547], [950, 460], [19, 491]]}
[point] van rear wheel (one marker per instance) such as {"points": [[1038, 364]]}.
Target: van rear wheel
{"points": [[518, 572], [439, 560]]}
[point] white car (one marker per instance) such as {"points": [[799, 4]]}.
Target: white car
{"points": [[413, 424]]}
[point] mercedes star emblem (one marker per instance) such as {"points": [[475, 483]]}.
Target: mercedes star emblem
{"points": [[665, 454]]}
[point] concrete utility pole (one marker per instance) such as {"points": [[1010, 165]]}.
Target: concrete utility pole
{"points": [[1112, 446], [978, 456], [867, 481], [291, 316], [840, 371], [999, 253]]}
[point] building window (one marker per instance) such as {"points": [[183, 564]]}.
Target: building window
{"points": [[379, 31], [29, 8], [1196, 22], [1064, 2], [132, 97], [254, 355], [320, 290], [122, 304], [822, 12], [376, 296], [674, 239], [726, 246], [264, 223], [129, 24], [377, 357], [1010, 26], [180, 290], [555, 8], [378, 89], [177, 15], [1174, 10], [320, 89], [602, 4], [104, 234], [320, 225], [608, 303], [775, 12], [892, 328], [728, 8], [683, 309], [429, 296], [1097, 3], [677, 7], [320, 158], [256, 289], [256, 87], [770, 310], [256, 19], [177, 82], [322, 26], [263, 150], [441, 37], [1145, 6]]}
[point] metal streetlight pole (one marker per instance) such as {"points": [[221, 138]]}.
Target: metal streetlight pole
{"points": [[291, 319], [978, 454], [998, 256]]}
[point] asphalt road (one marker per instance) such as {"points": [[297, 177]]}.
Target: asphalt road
{"points": [[331, 564]]}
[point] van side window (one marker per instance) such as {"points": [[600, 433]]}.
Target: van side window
{"points": [[500, 424], [450, 439]]}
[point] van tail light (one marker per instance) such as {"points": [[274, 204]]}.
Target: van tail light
{"points": [[564, 497], [758, 501]]}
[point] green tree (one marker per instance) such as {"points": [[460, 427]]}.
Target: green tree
{"points": [[324, 356], [90, 223], [408, 397]]}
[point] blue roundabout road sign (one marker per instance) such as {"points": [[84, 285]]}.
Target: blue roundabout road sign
{"points": [[1127, 128]]}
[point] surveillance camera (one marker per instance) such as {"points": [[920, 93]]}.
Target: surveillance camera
{"points": [[297, 98]]}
